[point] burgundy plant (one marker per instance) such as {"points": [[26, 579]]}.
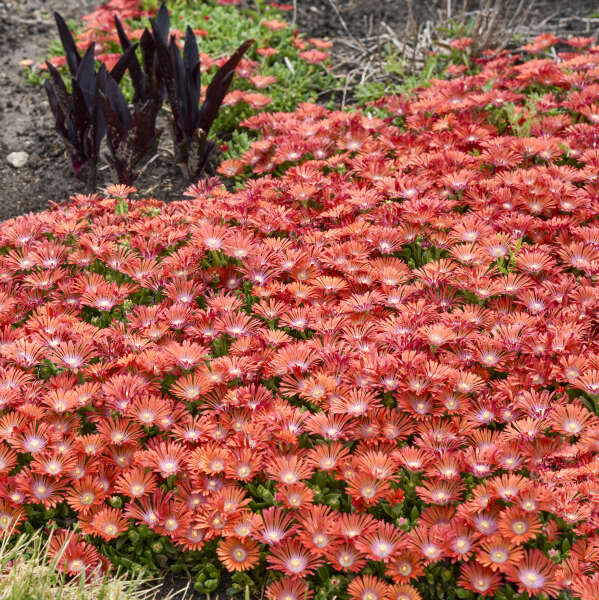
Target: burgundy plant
{"points": [[182, 79], [130, 136], [78, 114]]}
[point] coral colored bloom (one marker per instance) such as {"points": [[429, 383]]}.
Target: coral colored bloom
{"points": [[368, 587], [293, 559], [314, 56], [107, 523], [535, 574], [289, 589], [237, 554]]}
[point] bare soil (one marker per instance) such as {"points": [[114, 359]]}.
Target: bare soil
{"points": [[27, 28], [410, 29], [358, 18]]}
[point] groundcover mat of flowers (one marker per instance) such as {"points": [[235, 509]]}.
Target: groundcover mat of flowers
{"points": [[376, 374]]}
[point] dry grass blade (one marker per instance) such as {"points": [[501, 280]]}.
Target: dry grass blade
{"points": [[493, 24], [28, 572]]}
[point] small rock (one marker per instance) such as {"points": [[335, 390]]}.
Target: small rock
{"points": [[17, 159]]}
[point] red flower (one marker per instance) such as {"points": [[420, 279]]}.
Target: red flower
{"points": [[293, 560], [478, 579], [535, 574], [289, 589], [400, 300], [368, 587], [314, 56], [237, 554], [107, 523], [74, 555]]}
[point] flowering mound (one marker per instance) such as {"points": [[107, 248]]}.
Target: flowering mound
{"points": [[385, 361]]}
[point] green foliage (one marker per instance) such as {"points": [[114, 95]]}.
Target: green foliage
{"points": [[403, 78], [438, 583], [297, 80], [332, 585], [208, 578], [507, 263], [416, 254]]}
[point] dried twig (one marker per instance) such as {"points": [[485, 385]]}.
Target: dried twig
{"points": [[333, 3], [492, 23], [20, 21]]}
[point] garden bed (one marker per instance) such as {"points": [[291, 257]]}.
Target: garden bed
{"points": [[367, 368]]}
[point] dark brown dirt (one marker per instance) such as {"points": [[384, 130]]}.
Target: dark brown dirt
{"points": [[412, 28], [27, 28], [26, 124], [360, 18]]}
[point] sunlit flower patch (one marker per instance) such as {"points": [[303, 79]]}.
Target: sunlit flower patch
{"points": [[377, 369]]}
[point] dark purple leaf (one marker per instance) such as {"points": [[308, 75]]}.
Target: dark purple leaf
{"points": [[129, 145], [59, 87], [86, 77], [191, 55], [182, 114], [191, 63], [151, 83], [113, 125], [126, 61], [134, 66], [56, 109], [148, 50], [166, 73], [79, 114], [68, 43], [117, 102], [219, 86], [123, 39], [99, 118], [161, 25]]}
